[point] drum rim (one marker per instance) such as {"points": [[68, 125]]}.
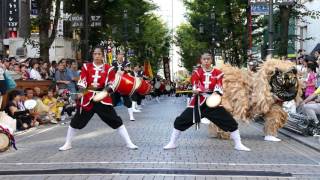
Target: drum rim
{"points": [[133, 89], [116, 82], [140, 84]]}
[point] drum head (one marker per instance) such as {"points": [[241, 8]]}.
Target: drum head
{"points": [[30, 104], [4, 142], [100, 96], [213, 100], [157, 85], [168, 87]]}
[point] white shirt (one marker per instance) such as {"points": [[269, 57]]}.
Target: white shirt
{"points": [[1, 73], [34, 74]]}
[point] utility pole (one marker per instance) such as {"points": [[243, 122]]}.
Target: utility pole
{"points": [[270, 48], [86, 30]]}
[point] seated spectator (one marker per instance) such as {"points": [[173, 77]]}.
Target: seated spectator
{"points": [[52, 69], [41, 111], [24, 72], [311, 106], [34, 73], [67, 102], [75, 75], [37, 92], [311, 80], [23, 117], [53, 105], [63, 78], [44, 70]]}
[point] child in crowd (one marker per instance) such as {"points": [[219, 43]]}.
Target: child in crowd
{"points": [[53, 104], [67, 102], [311, 80]]}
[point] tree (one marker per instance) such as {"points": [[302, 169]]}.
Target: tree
{"points": [[286, 12], [224, 26], [190, 48], [47, 38]]}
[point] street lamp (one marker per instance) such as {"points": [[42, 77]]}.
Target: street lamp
{"points": [[213, 41], [137, 29], [86, 30], [125, 17], [201, 30]]}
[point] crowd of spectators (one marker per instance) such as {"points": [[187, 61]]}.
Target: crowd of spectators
{"points": [[53, 104]]}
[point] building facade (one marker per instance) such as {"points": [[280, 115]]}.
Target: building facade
{"points": [[308, 31]]}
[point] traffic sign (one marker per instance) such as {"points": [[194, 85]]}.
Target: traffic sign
{"points": [[259, 9], [277, 2]]}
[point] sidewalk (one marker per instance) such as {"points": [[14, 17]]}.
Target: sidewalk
{"points": [[310, 141]]}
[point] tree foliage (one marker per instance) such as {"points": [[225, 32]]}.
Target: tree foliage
{"points": [[224, 25], [152, 42], [47, 38]]}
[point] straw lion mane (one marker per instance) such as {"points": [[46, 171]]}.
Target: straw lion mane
{"points": [[248, 94]]}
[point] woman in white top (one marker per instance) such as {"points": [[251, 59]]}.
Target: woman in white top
{"points": [[34, 73]]}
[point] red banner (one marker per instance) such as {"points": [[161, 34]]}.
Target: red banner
{"points": [[166, 68]]}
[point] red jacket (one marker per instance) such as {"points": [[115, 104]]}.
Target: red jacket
{"points": [[96, 77], [206, 82]]}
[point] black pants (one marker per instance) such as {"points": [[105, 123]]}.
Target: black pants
{"points": [[22, 117], [68, 110], [137, 97], [105, 112], [116, 98], [218, 115], [157, 92]]}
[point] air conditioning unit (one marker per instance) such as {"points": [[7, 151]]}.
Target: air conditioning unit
{"points": [[21, 51]]}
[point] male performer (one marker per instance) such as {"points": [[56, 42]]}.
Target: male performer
{"points": [[122, 66], [94, 77], [206, 80], [136, 97]]}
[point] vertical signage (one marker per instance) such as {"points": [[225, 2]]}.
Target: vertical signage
{"points": [[34, 8], [13, 14], [166, 68]]}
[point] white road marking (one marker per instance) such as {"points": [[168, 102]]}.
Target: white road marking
{"points": [[155, 162]]}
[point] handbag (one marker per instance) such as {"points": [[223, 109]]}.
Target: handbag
{"points": [[10, 83]]}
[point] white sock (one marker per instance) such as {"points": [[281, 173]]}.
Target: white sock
{"points": [[271, 138], [130, 111], [139, 107], [70, 134], [134, 104], [124, 134], [173, 139], [235, 135]]}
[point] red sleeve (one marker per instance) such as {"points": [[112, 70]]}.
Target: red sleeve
{"points": [[218, 85], [195, 81], [82, 82], [194, 78]]}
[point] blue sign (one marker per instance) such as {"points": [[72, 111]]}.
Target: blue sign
{"points": [[34, 8], [259, 9], [278, 2]]}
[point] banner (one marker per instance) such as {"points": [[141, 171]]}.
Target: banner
{"points": [[148, 69], [166, 68], [13, 14]]}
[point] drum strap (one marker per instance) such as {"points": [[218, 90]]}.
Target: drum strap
{"points": [[11, 138], [197, 112]]}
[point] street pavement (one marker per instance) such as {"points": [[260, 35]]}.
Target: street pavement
{"points": [[99, 152]]}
